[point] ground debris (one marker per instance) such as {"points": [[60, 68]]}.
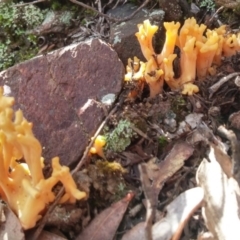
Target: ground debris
{"points": [[171, 226], [105, 224], [221, 198]]}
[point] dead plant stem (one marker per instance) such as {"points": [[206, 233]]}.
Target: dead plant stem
{"points": [[109, 17], [76, 169]]}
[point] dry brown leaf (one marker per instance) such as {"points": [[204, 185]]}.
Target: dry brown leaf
{"points": [[105, 224], [11, 228], [221, 197], [55, 234], [172, 163], [171, 226], [149, 201], [223, 159], [206, 236], [2, 215], [178, 213], [50, 236], [163, 232], [137, 232]]}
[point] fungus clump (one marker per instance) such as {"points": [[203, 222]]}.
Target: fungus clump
{"points": [[22, 184], [200, 49]]}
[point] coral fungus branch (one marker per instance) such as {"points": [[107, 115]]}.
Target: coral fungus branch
{"points": [[199, 51], [145, 35], [22, 185]]}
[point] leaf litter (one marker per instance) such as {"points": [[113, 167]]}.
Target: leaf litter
{"points": [[179, 174], [171, 200], [180, 167]]}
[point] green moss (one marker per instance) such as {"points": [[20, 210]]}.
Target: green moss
{"points": [[107, 167], [16, 44], [178, 106], [6, 56], [236, 10], [89, 12], [55, 5], [135, 2], [162, 141], [121, 192]]}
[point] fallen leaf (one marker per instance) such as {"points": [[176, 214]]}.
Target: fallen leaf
{"points": [[171, 226], [132, 158], [206, 236], [171, 164], [178, 213], [149, 200], [193, 119], [138, 232], [105, 224], [45, 235], [222, 158], [221, 198], [11, 228]]}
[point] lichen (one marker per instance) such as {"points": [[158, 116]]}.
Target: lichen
{"points": [[120, 137]]}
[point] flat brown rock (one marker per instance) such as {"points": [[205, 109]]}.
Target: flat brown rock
{"points": [[61, 94]]}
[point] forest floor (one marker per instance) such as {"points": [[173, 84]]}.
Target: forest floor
{"points": [[162, 142]]}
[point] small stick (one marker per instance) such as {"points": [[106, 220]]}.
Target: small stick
{"points": [[141, 133], [116, 4], [95, 10], [217, 85], [76, 169], [82, 161], [150, 206], [235, 147], [25, 4], [214, 15], [109, 17]]}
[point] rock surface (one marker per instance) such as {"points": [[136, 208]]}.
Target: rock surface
{"points": [[61, 94], [122, 35], [172, 9]]}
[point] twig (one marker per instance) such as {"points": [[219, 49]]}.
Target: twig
{"points": [[109, 17], [150, 204], [76, 169], [82, 161], [99, 6], [94, 10], [214, 15], [235, 147], [141, 133], [217, 85], [176, 186], [24, 4], [116, 4], [44, 219]]}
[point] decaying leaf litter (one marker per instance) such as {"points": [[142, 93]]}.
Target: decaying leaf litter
{"points": [[177, 157]]}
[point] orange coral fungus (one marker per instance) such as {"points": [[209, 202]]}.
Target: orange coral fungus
{"points": [[170, 42], [135, 71], [98, 145], [199, 50], [145, 35], [22, 185], [153, 77]]}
